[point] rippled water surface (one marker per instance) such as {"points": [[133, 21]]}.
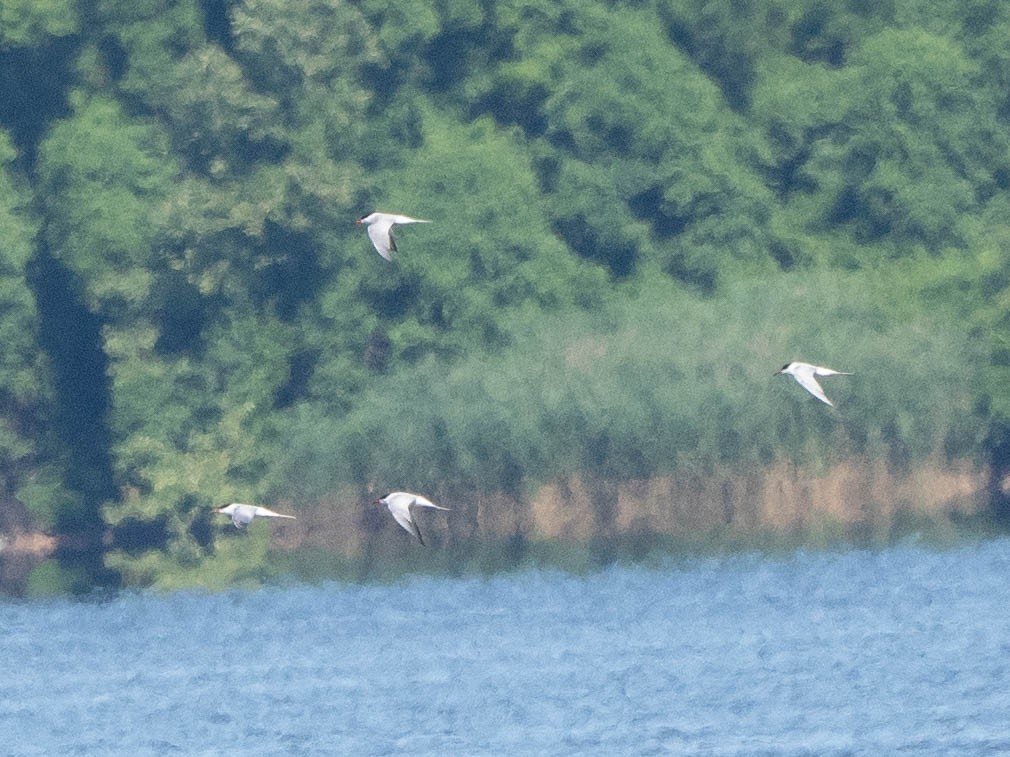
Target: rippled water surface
{"points": [[898, 651]]}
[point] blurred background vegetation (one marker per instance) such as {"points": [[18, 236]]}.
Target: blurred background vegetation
{"points": [[641, 210]]}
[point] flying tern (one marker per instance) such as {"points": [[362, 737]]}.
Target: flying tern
{"points": [[242, 515], [402, 504], [804, 374], [380, 230]]}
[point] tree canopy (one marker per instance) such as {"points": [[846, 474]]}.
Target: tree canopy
{"points": [[640, 209]]}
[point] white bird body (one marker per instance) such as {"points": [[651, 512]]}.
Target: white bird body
{"points": [[401, 505], [242, 515], [380, 230], [804, 374]]}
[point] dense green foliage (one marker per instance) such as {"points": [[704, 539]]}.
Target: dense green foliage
{"points": [[641, 210]]}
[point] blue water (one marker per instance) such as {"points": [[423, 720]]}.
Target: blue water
{"points": [[904, 650]]}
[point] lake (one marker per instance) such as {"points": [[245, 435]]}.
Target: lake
{"points": [[901, 650]]}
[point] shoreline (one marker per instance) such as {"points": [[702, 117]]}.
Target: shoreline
{"points": [[779, 498], [580, 519]]}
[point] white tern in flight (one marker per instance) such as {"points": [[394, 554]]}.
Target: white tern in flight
{"points": [[380, 230], [402, 504], [804, 374], [242, 515]]}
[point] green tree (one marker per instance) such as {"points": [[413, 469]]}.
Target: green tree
{"points": [[730, 179], [29, 461], [100, 175], [643, 159], [902, 145], [26, 23]]}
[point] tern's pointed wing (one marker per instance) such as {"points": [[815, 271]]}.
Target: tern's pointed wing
{"points": [[402, 515], [381, 235], [821, 371], [808, 382], [242, 515], [262, 512], [423, 502]]}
